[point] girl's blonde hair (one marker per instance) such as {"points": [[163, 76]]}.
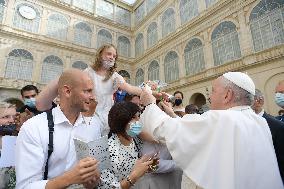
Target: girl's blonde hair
{"points": [[97, 64]]}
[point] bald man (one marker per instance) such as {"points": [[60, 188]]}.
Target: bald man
{"points": [[75, 89]]}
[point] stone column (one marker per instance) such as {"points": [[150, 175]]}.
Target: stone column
{"points": [[181, 62], [177, 15], [244, 33], [208, 52], [9, 13], [37, 65], [43, 22], [70, 32]]}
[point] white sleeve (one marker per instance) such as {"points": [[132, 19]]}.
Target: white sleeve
{"points": [[117, 80], [29, 159]]}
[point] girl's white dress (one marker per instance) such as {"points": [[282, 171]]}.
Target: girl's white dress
{"points": [[104, 91]]}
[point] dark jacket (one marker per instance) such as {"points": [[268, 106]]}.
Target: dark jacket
{"points": [[277, 132], [281, 118]]}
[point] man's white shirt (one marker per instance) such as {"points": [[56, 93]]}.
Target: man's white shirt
{"points": [[32, 146]]}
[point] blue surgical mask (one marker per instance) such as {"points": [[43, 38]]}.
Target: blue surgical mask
{"points": [[279, 99], [134, 129], [30, 102]]}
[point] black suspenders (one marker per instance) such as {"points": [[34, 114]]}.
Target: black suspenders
{"points": [[50, 143]]}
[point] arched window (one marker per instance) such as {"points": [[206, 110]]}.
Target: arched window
{"points": [[57, 26], [123, 46], [104, 37], [152, 34], [125, 75], [52, 67], [151, 4], [194, 57], [139, 78], [22, 21], [188, 10], [19, 65], [139, 45], [87, 5], [267, 24], [123, 16], [225, 43], [171, 66], [153, 71], [83, 34], [2, 9], [139, 13], [210, 2], [79, 65], [168, 22]]}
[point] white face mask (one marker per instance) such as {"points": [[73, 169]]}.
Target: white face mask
{"points": [[279, 99], [107, 64]]}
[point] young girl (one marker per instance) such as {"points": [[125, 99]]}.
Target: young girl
{"points": [[106, 82]]}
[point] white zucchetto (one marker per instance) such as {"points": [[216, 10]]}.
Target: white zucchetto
{"points": [[242, 80]]}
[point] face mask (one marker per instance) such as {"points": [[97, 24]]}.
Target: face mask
{"points": [[134, 129], [30, 102], [178, 102], [279, 99], [8, 129], [107, 64]]}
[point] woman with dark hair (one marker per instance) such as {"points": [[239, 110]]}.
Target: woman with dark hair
{"points": [[124, 148]]}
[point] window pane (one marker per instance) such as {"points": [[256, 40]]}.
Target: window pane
{"points": [[151, 4], [2, 9], [267, 24], [168, 22], [139, 13], [139, 45], [194, 57], [105, 9], [153, 71], [80, 65], [171, 67], [123, 16], [188, 10], [23, 23], [19, 65], [225, 43], [139, 79], [152, 34], [57, 26], [83, 34], [123, 46], [104, 37], [52, 67], [87, 5]]}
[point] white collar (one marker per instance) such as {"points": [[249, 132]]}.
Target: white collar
{"points": [[59, 117], [240, 108], [261, 113]]}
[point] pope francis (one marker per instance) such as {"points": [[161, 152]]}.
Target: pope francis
{"points": [[228, 147]]}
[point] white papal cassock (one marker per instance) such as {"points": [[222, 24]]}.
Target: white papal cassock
{"points": [[220, 149]]}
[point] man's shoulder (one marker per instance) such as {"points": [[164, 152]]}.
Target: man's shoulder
{"points": [[272, 121], [36, 121]]}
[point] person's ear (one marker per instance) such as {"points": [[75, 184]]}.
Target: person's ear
{"points": [[229, 94], [67, 90]]}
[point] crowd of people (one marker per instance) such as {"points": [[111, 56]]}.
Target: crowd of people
{"points": [[154, 141]]}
